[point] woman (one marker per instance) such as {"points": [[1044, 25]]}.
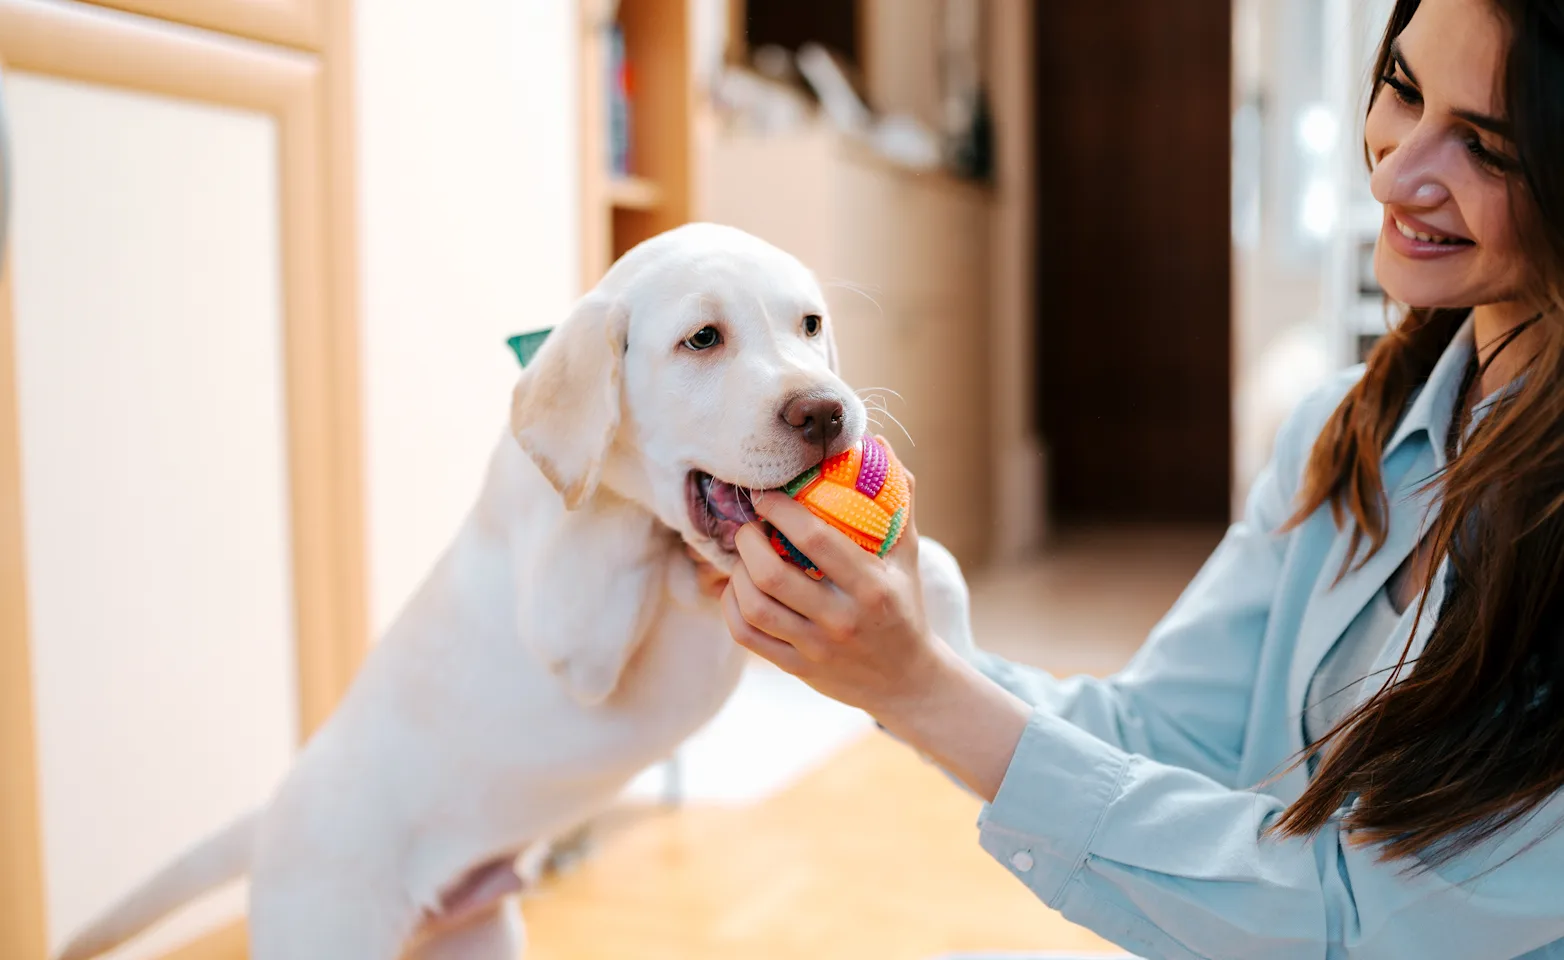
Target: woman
{"points": [[1347, 737]]}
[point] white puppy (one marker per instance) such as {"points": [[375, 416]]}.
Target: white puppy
{"points": [[561, 644]]}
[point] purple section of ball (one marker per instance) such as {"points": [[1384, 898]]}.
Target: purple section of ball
{"points": [[876, 466]]}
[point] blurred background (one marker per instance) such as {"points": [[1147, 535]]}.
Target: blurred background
{"points": [[263, 259]]}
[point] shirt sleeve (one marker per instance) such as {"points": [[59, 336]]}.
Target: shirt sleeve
{"points": [[1119, 808], [1185, 697], [1167, 862]]}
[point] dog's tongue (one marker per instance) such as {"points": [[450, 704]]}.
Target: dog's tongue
{"points": [[730, 507], [729, 502]]}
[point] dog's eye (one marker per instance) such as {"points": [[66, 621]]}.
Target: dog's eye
{"points": [[812, 325], [703, 339]]}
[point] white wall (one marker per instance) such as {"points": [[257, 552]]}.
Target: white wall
{"points": [[468, 132]]}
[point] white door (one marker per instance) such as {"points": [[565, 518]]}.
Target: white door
{"points": [[164, 409]]}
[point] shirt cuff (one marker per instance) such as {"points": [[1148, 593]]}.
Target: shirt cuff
{"points": [[1056, 791]]}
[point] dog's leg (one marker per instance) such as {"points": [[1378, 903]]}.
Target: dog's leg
{"points": [[495, 934], [309, 901], [946, 602], [310, 921], [534, 863]]}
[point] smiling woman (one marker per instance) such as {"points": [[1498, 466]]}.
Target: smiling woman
{"points": [[1466, 138], [1347, 737]]}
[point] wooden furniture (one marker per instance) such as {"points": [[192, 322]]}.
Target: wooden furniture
{"points": [[904, 258], [181, 542], [617, 213]]}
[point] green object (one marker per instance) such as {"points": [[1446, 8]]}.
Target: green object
{"points": [[801, 481], [897, 522], [526, 345]]}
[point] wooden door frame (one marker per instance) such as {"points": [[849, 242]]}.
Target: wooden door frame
{"points": [[309, 98], [291, 23]]}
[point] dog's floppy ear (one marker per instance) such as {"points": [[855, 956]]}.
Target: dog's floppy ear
{"points": [[589, 592], [565, 408]]}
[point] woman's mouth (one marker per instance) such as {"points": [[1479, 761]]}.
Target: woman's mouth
{"points": [[1413, 238], [718, 509]]}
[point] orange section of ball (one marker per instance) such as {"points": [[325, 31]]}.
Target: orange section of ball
{"points": [[843, 468], [895, 494], [832, 494], [863, 540], [850, 508]]}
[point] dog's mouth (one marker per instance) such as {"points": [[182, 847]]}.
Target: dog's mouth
{"points": [[718, 509]]}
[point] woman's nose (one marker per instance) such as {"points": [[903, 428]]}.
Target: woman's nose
{"points": [[1409, 175]]}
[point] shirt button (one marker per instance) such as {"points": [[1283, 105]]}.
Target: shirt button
{"points": [[1021, 860]]}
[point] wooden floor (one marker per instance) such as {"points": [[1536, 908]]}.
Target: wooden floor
{"points": [[1086, 605], [872, 857]]}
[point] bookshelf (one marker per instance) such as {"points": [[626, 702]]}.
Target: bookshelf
{"points": [[618, 211]]}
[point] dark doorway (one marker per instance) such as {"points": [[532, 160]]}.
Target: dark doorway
{"points": [[792, 23], [1133, 258]]}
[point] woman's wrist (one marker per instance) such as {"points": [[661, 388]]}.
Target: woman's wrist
{"points": [[960, 719]]}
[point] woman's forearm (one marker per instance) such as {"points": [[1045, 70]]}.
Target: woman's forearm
{"points": [[963, 721]]}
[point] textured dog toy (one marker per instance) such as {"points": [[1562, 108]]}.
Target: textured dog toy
{"points": [[861, 492]]}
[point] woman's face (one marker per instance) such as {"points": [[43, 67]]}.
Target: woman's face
{"points": [[1442, 163]]}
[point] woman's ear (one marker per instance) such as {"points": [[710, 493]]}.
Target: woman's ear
{"points": [[565, 409]]}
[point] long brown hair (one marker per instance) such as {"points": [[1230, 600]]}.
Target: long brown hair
{"points": [[1467, 739]]}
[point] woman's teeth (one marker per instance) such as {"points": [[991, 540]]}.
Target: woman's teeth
{"points": [[1411, 234]]}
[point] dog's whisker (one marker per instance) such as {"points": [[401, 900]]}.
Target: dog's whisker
{"points": [[865, 391], [900, 426], [838, 282], [855, 288]]}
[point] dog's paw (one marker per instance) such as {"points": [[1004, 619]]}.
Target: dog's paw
{"points": [[534, 864]]}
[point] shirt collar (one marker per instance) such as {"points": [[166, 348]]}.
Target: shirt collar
{"points": [[1432, 410]]}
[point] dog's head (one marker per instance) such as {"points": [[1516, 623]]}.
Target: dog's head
{"points": [[702, 367]]}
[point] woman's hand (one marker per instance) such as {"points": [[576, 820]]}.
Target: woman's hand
{"points": [[860, 637]]}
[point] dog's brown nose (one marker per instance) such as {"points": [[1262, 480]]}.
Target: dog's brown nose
{"points": [[819, 419]]}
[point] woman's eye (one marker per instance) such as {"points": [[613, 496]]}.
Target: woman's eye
{"points": [[1404, 91], [703, 339], [1487, 159], [813, 325]]}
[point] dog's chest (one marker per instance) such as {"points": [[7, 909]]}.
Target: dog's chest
{"points": [[685, 670]]}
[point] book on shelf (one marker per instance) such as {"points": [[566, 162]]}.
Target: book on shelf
{"points": [[619, 118]]}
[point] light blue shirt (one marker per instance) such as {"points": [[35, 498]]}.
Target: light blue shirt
{"points": [[1131, 803]]}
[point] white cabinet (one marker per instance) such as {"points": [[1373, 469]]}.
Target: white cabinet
{"points": [[180, 546], [904, 262]]}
